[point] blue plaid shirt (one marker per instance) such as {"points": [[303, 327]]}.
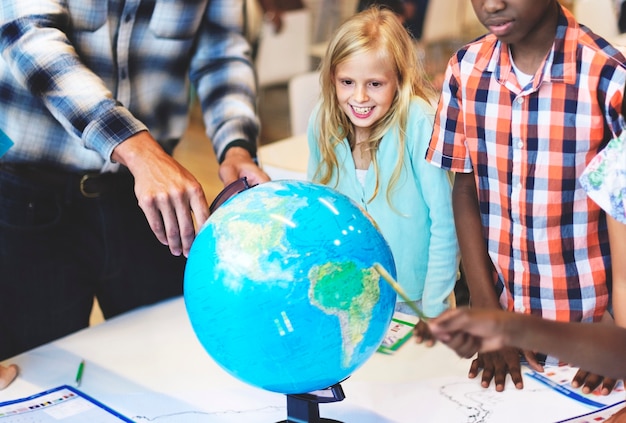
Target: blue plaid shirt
{"points": [[78, 77]]}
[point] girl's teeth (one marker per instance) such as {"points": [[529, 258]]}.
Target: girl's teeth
{"points": [[362, 110]]}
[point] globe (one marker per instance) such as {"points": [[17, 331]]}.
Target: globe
{"points": [[281, 290]]}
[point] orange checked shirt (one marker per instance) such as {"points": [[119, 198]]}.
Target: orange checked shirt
{"points": [[527, 146]]}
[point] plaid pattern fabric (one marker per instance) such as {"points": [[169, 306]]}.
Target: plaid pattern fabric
{"points": [[103, 70], [527, 146]]}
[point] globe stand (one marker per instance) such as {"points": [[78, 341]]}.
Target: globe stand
{"points": [[304, 408]]}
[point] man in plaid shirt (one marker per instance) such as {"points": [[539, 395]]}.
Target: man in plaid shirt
{"points": [[95, 94], [523, 110]]}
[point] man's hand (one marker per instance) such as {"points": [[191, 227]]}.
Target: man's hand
{"points": [[168, 194], [237, 164], [7, 375]]}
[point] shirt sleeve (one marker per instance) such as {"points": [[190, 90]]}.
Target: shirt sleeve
{"points": [[223, 74], [447, 145], [443, 249], [314, 150], [42, 58], [604, 178]]}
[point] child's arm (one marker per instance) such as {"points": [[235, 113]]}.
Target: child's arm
{"points": [[617, 240], [620, 416], [599, 348], [477, 267]]}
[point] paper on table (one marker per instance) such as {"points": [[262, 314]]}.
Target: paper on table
{"points": [[433, 400], [596, 416], [559, 378], [61, 404], [400, 330]]}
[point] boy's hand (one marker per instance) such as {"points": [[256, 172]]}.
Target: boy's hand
{"points": [[496, 365], [423, 334], [590, 382]]}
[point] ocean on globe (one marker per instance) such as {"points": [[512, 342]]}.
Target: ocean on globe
{"points": [[281, 290]]}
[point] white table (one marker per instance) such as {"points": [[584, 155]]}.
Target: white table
{"points": [[285, 159], [149, 366]]}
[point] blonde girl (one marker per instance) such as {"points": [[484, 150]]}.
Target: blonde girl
{"points": [[368, 137]]}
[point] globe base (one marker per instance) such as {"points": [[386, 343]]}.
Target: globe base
{"points": [[304, 408]]}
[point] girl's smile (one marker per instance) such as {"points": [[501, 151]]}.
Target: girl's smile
{"points": [[366, 85], [362, 112]]}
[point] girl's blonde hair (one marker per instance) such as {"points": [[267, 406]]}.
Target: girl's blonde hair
{"points": [[372, 30]]}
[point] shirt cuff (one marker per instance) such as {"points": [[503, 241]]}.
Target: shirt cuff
{"points": [[106, 133], [250, 148]]}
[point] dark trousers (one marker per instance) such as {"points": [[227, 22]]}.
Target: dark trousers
{"points": [[65, 238]]}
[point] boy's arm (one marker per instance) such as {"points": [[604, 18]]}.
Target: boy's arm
{"points": [[617, 240], [477, 267], [468, 224]]}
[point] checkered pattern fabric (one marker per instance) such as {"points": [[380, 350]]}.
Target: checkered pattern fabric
{"points": [[79, 76], [527, 146]]}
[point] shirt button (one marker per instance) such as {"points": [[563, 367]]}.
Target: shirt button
{"points": [[522, 309], [520, 144], [128, 17], [519, 100]]}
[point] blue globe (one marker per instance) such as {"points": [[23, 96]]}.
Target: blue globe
{"points": [[281, 290]]}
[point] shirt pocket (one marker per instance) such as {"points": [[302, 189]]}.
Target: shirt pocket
{"points": [[87, 15], [177, 19]]}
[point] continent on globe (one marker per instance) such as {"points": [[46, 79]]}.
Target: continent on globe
{"points": [[353, 310]]}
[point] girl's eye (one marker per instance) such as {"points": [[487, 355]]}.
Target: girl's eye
{"points": [[346, 82], [376, 84]]}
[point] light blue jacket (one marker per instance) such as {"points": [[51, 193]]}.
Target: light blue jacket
{"points": [[420, 226]]}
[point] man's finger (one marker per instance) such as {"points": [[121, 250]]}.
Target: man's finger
{"points": [[7, 375]]}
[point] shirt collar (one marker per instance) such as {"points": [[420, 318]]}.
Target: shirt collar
{"points": [[559, 66]]}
